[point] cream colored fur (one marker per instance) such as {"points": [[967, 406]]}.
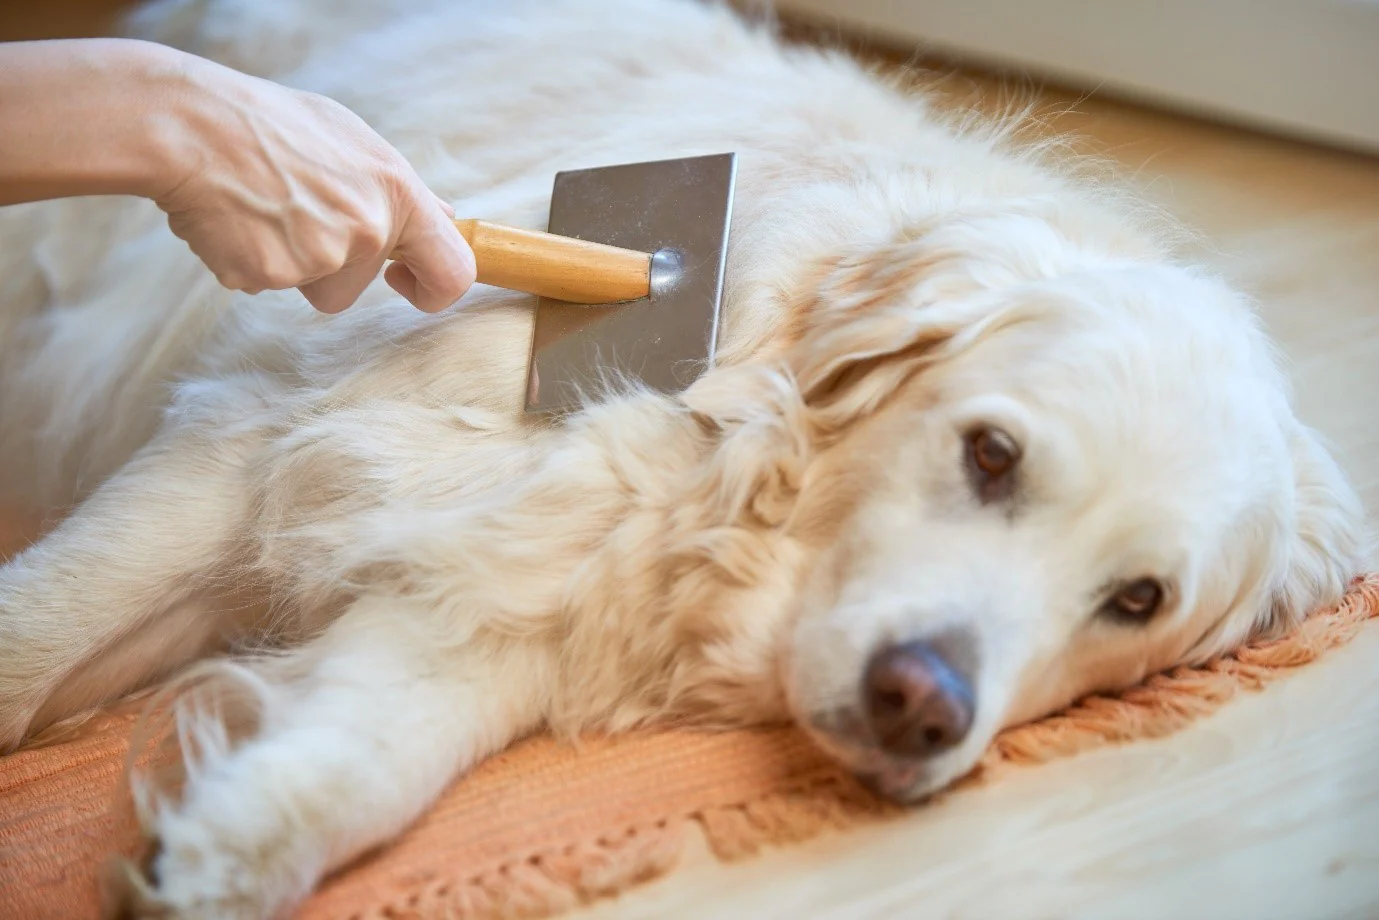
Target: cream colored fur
{"points": [[427, 574]]}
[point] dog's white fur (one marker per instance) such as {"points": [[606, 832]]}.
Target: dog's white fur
{"points": [[436, 574]]}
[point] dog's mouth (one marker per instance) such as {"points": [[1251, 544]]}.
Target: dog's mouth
{"points": [[899, 782], [845, 737]]}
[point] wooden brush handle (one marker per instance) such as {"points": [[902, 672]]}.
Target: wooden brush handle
{"points": [[559, 267]]}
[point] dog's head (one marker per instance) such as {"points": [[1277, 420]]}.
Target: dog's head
{"points": [[1021, 473]]}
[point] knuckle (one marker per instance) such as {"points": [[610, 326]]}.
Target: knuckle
{"points": [[372, 236], [280, 278], [326, 258], [408, 191], [394, 164]]}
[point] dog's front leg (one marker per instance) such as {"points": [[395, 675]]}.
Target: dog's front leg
{"points": [[376, 717], [79, 610]]}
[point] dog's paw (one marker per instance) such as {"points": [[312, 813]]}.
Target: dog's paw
{"points": [[130, 896], [205, 870], [197, 895]]}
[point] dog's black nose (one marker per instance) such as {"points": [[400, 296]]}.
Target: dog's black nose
{"points": [[917, 703]]}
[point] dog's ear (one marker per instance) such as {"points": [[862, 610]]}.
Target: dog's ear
{"points": [[1327, 541], [878, 319], [1323, 546]]}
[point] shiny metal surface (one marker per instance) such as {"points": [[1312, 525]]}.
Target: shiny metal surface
{"points": [[679, 210]]}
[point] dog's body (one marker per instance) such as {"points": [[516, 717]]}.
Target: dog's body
{"points": [[907, 309]]}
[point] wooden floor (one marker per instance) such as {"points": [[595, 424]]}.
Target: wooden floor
{"points": [[1269, 809]]}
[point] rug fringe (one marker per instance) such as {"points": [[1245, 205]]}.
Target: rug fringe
{"points": [[789, 816], [545, 883]]}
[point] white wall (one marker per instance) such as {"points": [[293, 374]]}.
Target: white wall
{"points": [[1302, 67]]}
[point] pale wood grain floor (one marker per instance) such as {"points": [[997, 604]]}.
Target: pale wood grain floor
{"points": [[1269, 809]]}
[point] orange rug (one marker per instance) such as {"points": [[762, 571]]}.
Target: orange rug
{"points": [[544, 827]]}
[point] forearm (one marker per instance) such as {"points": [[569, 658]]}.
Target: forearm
{"points": [[88, 117], [271, 187]]}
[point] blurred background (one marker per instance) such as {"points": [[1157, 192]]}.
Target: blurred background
{"points": [[1303, 68], [1307, 68]]}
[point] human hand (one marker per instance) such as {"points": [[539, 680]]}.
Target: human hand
{"points": [[275, 188]]}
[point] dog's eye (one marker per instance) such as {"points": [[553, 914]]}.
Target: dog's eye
{"points": [[1136, 602], [992, 456]]}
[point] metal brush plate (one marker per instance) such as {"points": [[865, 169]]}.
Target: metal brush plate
{"points": [[678, 209]]}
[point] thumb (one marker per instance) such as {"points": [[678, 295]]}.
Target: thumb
{"points": [[439, 265]]}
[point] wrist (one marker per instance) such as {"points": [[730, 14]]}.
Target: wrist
{"points": [[167, 144], [102, 116]]}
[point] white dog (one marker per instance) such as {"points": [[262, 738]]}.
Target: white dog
{"points": [[975, 445]]}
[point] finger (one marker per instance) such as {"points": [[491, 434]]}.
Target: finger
{"points": [[338, 292], [438, 258], [401, 279], [445, 206]]}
